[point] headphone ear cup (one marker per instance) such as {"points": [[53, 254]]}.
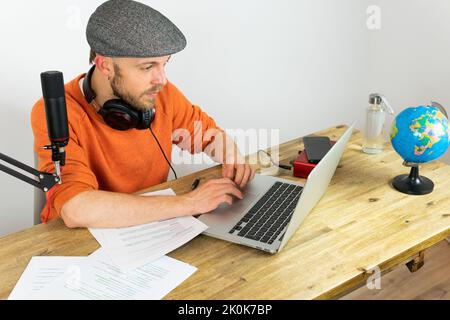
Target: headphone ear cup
{"points": [[118, 115], [88, 92], [147, 119]]}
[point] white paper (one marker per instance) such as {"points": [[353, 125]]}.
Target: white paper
{"points": [[98, 278], [129, 247], [40, 272]]}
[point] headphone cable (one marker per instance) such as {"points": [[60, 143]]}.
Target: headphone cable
{"points": [[160, 148]]}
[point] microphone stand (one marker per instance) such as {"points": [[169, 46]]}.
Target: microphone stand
{"points": [[45, 181], [53, 93]]}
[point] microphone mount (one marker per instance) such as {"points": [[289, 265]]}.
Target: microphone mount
{"points": [[45, 181], [58, 158]]}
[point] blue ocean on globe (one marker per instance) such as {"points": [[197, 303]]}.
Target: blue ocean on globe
{"points": [[420, 134]]}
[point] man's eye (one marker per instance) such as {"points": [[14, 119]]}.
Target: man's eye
{"points": [[148, 68]]}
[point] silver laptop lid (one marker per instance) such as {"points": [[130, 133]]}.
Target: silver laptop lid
{"points": [[316, 184]]}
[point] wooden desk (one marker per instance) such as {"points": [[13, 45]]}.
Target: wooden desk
{"points": [[360, 223]]}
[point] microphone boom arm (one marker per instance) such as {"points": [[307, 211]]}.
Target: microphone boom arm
{"points": [[45, 181]]}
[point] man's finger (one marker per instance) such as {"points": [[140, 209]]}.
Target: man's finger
{"points": [[253, 173], [223, 199], [240, 170], [228, 171], [231, 190], [247, 174], [226, 189]]}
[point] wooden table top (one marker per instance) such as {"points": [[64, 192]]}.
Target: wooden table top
{"points": [[360, 224]]}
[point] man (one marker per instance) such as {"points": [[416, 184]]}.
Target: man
{"points": [[130, 46]]}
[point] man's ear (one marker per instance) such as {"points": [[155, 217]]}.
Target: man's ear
{"points": [[104, 65]]}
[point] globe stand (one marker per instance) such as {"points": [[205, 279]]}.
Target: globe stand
{"points": [[413, 183]]}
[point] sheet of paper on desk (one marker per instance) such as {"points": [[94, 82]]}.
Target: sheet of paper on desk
{"points": [[98, 278], [40, 272], [128, 247]]}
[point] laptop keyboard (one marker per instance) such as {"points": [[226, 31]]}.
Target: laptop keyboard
{"points": [[270, 215]]}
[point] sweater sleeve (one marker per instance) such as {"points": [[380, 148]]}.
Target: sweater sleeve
{"points": [[193, 128], [76, 175]]}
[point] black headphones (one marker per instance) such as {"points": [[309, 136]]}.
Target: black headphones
{"points": [[117, 113]]}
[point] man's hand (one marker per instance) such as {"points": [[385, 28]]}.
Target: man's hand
{"points": [[211, 194], [241, 173], [234, 166]]}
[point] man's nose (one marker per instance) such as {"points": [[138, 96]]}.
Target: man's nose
{"points": [[159, 77]]}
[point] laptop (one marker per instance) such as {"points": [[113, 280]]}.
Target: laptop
{"points": [[273, 208]]}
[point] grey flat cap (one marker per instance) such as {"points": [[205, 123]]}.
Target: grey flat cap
{"points": [[125, 28]]}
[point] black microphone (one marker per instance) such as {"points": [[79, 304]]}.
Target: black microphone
{"points": [[53, 93]]}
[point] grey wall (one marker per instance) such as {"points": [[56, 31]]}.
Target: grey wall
{"points": [[296, 66]]}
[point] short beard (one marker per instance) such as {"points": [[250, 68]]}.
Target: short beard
{"points": [[117, 88]]}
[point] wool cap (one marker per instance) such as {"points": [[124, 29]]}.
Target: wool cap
{"points": [[126, 28]]}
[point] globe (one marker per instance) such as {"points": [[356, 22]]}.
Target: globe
{"points": [[420, 134]]}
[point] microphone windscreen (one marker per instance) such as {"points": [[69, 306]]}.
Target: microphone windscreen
{"points": [[52, 84], [55, 107]]}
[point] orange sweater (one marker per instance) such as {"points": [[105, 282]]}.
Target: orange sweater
{"points": [[101, 158]]}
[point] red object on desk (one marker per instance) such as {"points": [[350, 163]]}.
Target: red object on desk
{"points": [[302, 167]]}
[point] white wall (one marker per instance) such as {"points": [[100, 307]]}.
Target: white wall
{"points": [[293, 65], [409, 55]]}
